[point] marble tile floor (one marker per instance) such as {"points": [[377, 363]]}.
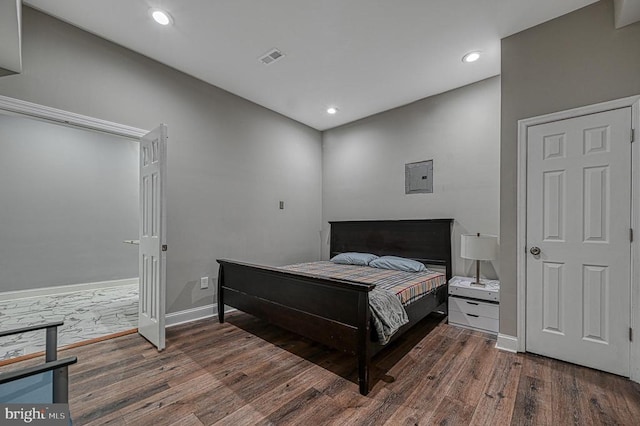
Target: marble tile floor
{"points": [[87, 314]]}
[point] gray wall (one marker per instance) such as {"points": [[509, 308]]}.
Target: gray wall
{"points": [[229, 160], [575, 60], [68, 199], [10, 22], [363, 164]]}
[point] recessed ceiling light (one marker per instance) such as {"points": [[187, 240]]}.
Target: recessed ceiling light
{"points": [[161, 17], [471, 57], [332, 110]]}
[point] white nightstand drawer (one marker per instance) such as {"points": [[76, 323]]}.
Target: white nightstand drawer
{"points": [[466, 320], [475, 307], [476, 292]]}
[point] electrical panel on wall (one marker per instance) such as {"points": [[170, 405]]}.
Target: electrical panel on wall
{"points": [[418, 177]]}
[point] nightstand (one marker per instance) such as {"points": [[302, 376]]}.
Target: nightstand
{"points": [[473, 306]]}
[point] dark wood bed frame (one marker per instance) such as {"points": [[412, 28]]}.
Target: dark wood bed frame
{"points": [[336, 312]]}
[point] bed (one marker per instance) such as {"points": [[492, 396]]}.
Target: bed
{"points": [[335, 312]]}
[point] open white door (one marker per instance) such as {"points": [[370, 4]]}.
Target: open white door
{"points": [[153, 245]]}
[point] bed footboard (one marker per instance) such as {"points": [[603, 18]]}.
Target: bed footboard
{"points": [[317, 308]]}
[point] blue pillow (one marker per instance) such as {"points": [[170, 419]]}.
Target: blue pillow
{"points": [[361, 259], [398, 264]]}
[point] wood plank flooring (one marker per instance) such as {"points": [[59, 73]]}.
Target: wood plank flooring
{"points": [[246, 372]]}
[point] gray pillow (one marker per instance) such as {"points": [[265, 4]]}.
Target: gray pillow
{"points": [[352, 258], [398, 264]]}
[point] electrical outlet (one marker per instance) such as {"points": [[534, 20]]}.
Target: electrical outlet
{"points": [[204, 282]]}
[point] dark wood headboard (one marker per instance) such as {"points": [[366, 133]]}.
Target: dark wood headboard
{"points": [[425, 240]]}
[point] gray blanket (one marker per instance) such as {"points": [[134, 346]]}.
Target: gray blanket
{"points": [[387, 313]]}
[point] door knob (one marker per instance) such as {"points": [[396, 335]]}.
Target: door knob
{"points": [[534, 251]]}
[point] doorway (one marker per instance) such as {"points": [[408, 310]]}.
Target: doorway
{"points": [[578, 205], [102, 218]]}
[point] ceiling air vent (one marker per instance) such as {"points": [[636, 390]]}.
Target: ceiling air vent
{"points": [[271, 56]]}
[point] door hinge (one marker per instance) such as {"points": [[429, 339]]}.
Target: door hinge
{"points": [[164, 247], [631, 234], [630, 334], [633, 132]]}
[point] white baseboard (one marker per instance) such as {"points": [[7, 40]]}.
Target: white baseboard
{"points": [[61, 289], [189, 315], [507, 343], [193, 314]]}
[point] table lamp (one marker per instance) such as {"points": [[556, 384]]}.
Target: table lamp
{"points": [[479, 247]]}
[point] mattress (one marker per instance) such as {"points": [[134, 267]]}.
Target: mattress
{"points": [[408, 286]]}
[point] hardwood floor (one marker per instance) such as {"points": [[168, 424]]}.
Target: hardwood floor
{"points": [[246, 372]]}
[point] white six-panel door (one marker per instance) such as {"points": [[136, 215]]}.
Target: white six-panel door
{"points": [[152, 251], [578, 216]]}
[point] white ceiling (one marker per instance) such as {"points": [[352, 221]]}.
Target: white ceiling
{"points": [[362, 56]]}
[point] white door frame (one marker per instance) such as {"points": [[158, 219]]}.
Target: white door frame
{"points": [[19, 108], [523, 125]]}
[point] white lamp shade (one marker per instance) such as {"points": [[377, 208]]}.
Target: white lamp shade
{"points": [[482, 247]]}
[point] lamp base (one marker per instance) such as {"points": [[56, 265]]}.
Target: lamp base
{"points": [[477, 282]]}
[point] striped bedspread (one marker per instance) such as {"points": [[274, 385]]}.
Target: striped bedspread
{"points": [[409, 286]]}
